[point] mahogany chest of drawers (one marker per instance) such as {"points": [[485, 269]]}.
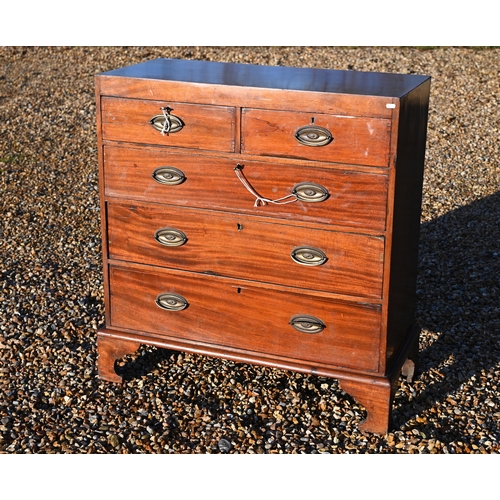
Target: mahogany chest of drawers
{"points": [[266, 215]]}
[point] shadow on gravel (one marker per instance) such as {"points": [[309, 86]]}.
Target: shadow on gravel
{"points": [[459, 300], [144, 361]]}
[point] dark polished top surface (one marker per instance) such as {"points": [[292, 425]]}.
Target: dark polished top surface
{"points": [[273, 77]]}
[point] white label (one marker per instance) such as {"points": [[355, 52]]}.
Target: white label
{"points": [[390, 106]]}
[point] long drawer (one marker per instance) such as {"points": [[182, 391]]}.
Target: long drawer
{"points": [[354, 199], [196, 126], [244, 247], [243, 315], [342, 139]]}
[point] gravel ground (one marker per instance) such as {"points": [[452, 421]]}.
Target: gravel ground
{"points": [[51, 299]]}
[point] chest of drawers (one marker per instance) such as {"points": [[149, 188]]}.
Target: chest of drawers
{"points": [[266, 215]]}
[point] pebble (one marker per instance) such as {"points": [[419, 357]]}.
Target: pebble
{"points": [[225, 446], [51, 290]]}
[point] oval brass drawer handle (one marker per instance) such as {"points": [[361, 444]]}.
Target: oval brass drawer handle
{"points": [[166, 123], [312, 135], [310, 192], [307, 324], [170, 176], [171, 302], [308, 256], [305, 191], [170, 237]]}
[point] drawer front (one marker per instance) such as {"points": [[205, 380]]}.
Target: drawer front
{"points": [[355, 199], [241, 247], [202, 127], [355, 140], [240, 315]]}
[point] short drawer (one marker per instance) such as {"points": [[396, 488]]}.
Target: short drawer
{"points": [[355, 199], [243, 247], [342, 139], [241, 315], [210, 128]]}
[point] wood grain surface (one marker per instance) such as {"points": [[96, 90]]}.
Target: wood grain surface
{"points": [[237, 314], [243, 247], [362, 141], [356, 199], [205, 127]]}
